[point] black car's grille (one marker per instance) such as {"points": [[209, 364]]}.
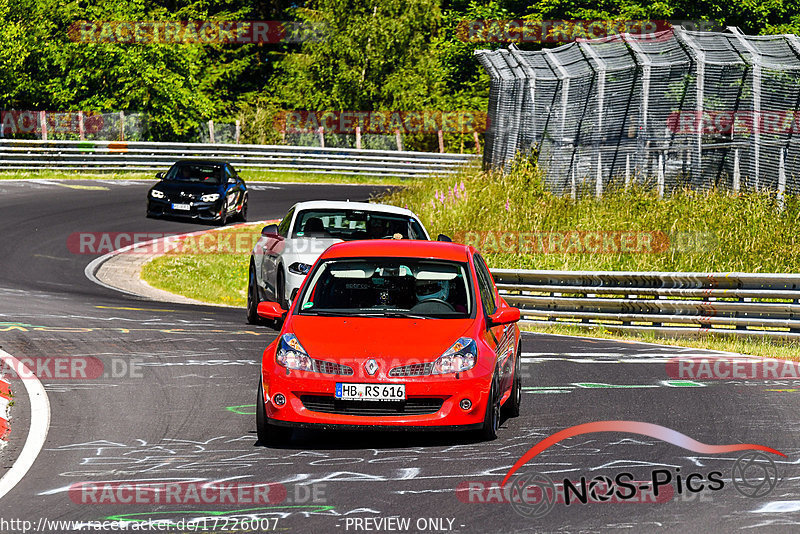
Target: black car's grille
{"points": [[331, 368], [416, 369], [326, 404]]}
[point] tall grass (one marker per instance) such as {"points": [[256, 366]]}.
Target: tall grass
{"points": [[705, 230]]}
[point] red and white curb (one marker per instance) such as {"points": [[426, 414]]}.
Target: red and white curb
{"points": [[91, 269], [5, 400], [39, 423]]}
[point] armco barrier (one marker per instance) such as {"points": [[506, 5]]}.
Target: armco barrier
{"points": [[101, 156], [735, 304]]}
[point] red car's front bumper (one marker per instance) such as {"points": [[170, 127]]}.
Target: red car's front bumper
{"points": [[310, 401]]}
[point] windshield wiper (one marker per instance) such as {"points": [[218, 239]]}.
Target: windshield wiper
{"points": [[393, 314]]}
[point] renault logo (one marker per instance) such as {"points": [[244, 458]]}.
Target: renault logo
{"points": [[371, 366]]}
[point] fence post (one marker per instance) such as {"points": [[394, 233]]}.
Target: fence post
{"points": [[81, 127], [441, 141], [477, 142], [573, 190], [755, 61], [238, 132], [737, 175], [43, 124], [598, 187], [211, 138], [661, 175], [321, 132], [700, 62], [642, 141], [121, 125], [358, 137], [782, 179], [627, 171], [601, 95], [399, 140]]}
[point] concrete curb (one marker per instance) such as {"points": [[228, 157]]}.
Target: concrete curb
{"points": [[122, 272]]}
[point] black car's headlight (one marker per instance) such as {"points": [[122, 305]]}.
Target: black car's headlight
{"points": [[299, 268], [155, 193], [211, 197], [292, 355], [460, 357]]}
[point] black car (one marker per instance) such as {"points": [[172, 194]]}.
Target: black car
{"points": [[208, 190]]}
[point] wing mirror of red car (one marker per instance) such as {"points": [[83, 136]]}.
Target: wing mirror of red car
{"points": [[505, 315], [270, 230], [270, 310]]}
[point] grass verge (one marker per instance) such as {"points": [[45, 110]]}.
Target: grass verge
{"points": [[217, 276]]}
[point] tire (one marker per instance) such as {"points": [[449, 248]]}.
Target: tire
{"points": [[280, 289], [243, 213], [223, 219], [491, 419], [268, 434], [511, 407], [252, 297]]}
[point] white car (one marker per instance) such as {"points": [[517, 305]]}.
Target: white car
{"points": [[285, 252]]}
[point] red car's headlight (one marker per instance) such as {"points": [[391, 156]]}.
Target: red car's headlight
{"points": [[460, 357], [292, 355]]}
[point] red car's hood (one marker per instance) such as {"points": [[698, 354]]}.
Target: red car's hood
{"points": [[357, 338]]}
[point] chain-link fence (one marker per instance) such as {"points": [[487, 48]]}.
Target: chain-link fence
{"points": [[676, 108]]}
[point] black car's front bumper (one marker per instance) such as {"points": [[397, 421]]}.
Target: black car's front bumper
{"points": [[207, 211]]}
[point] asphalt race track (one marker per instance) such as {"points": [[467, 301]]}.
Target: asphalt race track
{"points": [[175, 402]]}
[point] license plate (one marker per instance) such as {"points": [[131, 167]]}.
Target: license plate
{"points": [[370, 392], [184, 207]]}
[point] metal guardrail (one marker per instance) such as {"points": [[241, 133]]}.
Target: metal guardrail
{"points": [[154, 156], [732, 304]]}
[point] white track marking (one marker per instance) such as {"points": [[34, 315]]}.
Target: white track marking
{"points": [[39, 424]]}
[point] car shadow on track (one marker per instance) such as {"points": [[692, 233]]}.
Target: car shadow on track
{"points": [[304, 439]]}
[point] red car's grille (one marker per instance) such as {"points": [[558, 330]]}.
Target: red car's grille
{"points": [[417, 369], [325, 404], [331, 368]]}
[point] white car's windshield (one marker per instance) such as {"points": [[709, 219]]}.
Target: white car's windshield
{"points": [[349, 225], [392, 287]]}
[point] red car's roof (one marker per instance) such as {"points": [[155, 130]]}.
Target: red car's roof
{"points": [[404, 248]]}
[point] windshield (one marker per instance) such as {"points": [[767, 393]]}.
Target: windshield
{"points": [[195, 172], [355, 224], [390, 287]]}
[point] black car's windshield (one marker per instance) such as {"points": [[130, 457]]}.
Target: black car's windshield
{"points": [[195, 172], [355, 224], [389, 287]]}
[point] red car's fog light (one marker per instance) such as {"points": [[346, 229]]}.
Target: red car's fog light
{"points": [[465, 404], [279, 399]]}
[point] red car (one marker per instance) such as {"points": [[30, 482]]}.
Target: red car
{"points": [[392, 334]]}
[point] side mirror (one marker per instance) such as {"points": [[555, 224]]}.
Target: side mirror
{"points": [[270, 310], [505, 315], [159, 176], [270, 230], [444, 238]]}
